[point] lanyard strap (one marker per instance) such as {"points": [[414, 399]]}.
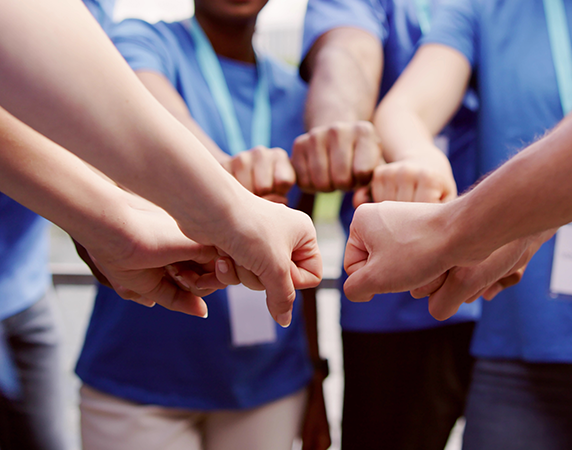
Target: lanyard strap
{"points": [[559, 37], [423, 15], [214, 76]]}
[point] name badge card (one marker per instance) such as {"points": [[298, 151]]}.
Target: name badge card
{"points": [[442, 143], [561, 279], [250, 321]]}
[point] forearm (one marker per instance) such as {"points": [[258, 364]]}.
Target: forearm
{"points": [[422, 101], [344, 68], [57, 185], [527, 195], [91, 103], [166, 94]]}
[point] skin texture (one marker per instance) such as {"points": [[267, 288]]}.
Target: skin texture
{"points": [[111, 121]]}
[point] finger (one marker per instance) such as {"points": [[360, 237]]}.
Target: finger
{"points": [[361, 195], [284, 175], [405, 187], [339, 143], [428, 189], [356, 253], [226, 272], [306, 267], [359, 287], [383, 184], [168, 295], [262, 171], [318, 160], [428, 289], [367, 153], [248, 279], [241, 166], [300, 162], [503, 284], [275, 198], [280, 293]]}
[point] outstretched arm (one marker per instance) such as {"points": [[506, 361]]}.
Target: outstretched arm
{"points": [[74, 87], [463, 248], [133, 242], [340, 149]]}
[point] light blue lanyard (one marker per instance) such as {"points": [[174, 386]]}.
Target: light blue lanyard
{"points": [[559, 37], [212, 71], [423, 15]]}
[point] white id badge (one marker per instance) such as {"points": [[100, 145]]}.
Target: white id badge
{"points": [[442, 143], [250, 321], [561, 279]]}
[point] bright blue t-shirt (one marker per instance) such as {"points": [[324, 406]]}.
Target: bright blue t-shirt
{"points": [[167, 358], [102, 10], [507, 45], [24, 272], [396, 24]]}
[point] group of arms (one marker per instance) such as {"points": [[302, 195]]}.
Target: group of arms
{"points": [[51, 118]]}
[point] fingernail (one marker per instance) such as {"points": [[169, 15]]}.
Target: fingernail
{"points": [[222, 266], [174, 273], [284, 319], [206, 314], [150, 305]]}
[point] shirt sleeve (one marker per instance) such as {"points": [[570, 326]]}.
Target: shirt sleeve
{"points": [[325, 15], [455, 25], [144, 46]]}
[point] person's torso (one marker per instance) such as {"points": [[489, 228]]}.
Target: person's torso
{"points": [[396, 23], [519, 103], [184, 361]]}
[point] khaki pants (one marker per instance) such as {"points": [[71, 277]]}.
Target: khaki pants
{"points": [[111, 423]]}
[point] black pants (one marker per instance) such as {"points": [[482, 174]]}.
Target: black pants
{"points": [[405, 391], [33, 420]]}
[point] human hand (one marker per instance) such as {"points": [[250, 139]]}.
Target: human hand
{"points": [[394, 247], [274, 246], [315, 429], [423, 177], [502, 269], [265, 172], [340, 156], [150, 261]]}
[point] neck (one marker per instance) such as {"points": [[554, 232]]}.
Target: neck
{"points": [[231, 39]]}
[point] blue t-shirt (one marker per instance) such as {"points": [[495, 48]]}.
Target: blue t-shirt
{"points": [[396, 24], [102, 10], [167, 358], [507, 45], [24, 273]]}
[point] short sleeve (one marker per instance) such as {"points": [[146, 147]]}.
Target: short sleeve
{"points": [[325, 15], [455, 25], [144, 46]]}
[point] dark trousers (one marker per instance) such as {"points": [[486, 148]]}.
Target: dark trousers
{"points": [[405, 391], [514, 405], [33, 418]]}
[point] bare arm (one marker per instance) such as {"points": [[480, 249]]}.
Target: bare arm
{"points": [[460, 250], [340, 149], [166, 94], [413, 112], [132, 241]]}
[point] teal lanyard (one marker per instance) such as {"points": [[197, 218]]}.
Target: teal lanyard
{"points": [[213, 74], [423, 15], [559, 37]]}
